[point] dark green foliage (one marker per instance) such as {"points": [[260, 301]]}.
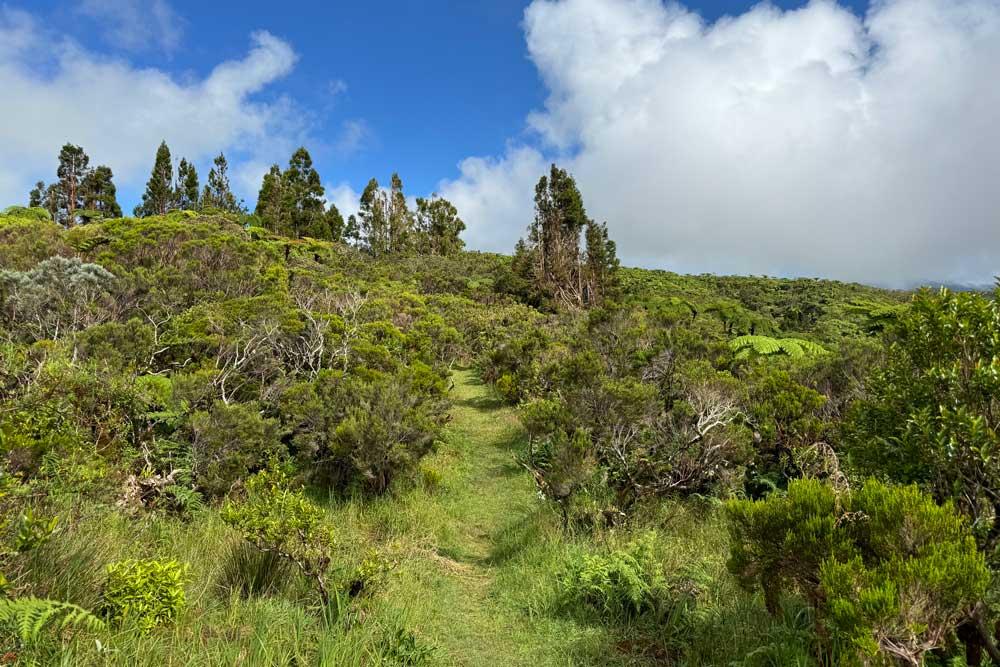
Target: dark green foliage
{"points": [[218, 195], [438, 227], [228, 443], [159, 195], [100, 194], [186, 195]]}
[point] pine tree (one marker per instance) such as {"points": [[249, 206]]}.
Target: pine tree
{"points": [[218, 193], [36, 198], [601, 270], [270, 200], [100, 194], [374, 219], [335, 225], [438, 227], [400, 219], [302, 196], [73, 168], [186, 193], [158, 197], [554, 236], [352, 230]]}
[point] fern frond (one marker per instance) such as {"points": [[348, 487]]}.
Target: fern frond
{"points": [[29, 617], [766, 346]]}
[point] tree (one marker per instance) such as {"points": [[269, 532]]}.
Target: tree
{"points": [[270, 199], [400, 220], [46, 197], [73, 168], [553, 242], [157, 198], [100, 194], [218, 193], [303, 195], [335, 225], [438, 227], [385, 221], [374, 219], [601, 270], [186, 193]]}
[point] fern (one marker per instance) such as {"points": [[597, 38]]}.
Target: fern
{"points": [[29, 617], [88, 244], [765, 346]]}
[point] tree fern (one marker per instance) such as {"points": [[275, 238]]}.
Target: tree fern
{"points": [[88, 244], [765, 346], [29, 617]]}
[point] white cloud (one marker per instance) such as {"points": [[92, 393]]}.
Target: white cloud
{"points": [[119, 113], [136, 25], [345, 198], [354, 135], [807, 142]]}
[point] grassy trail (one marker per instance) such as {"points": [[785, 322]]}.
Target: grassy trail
{"points": [[475, 587]]}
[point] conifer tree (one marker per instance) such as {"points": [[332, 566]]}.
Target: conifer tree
{"points": [[73, 168], [186, 193], [335, 225], [551, 259], [36, 198], [438, 226], [218, 193], [100, 194], [374, 219], [159, 194], [302, 196], [270, 201], [400, 219], [601, 280]]}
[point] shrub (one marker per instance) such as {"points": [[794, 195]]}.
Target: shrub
{"points": [[144, 592], [886, 570], [622, 584], [281, 520], [230, 442]]}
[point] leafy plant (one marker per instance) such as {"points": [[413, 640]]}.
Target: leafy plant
{"points": [[281, 520], [29, 617], [766, 346], [145, 592]]}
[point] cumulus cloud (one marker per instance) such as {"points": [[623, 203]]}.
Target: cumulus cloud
{"points": [[805, 142], [119, 113], [136, 25]]}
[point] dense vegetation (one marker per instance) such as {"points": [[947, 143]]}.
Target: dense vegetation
{"points": [[288, 438]]}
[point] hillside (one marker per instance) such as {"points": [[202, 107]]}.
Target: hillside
{"points": [[223, 445]]}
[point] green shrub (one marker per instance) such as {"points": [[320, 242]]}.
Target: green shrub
{"points": [[230, 442], [281, 520], [621, 584], [887, 571], [146, 593]]}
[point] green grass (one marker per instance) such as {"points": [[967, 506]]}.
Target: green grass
{"points": [[473, 578]]}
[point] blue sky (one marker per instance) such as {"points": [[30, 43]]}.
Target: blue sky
{"points": [[808, 138], [428, 82]]}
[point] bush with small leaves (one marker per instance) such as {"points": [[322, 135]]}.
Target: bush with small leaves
{"points": [[887, 571], [279, 519], [146, 593]]}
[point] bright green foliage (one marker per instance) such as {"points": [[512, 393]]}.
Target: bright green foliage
{"points": [[29, 617], [279, 519], [887, 571], [146, 593], [31, 531], [159, 195], [765, 346], [931, 414], [620, 584]]}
